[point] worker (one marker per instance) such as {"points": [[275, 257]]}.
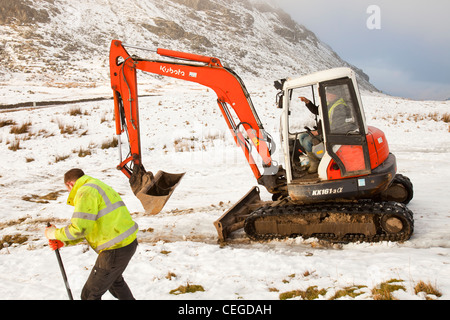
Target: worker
{"points": [[339, 115], [101, 217]]}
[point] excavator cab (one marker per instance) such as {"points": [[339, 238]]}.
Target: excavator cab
{"points": [[339, 137], [340, 129]]}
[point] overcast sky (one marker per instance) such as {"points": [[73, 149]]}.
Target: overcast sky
{"points": [[404, 46]]}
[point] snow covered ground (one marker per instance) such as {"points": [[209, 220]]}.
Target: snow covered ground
{"points": [[183, 131]]}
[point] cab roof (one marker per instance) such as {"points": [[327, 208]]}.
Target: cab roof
{"points": [[320, 76]]}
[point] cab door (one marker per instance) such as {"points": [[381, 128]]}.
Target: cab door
{"points": [[344, 130]]}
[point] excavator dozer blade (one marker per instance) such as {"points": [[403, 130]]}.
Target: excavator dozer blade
{"points": [[155, 191], [234, 218]]}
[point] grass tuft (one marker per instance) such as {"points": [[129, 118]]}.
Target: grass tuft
{"points": [[110, 144], [24, 128], [352, 291], [311, 293], [6, 122], [384, 290], [427, 288], [188, 288]]}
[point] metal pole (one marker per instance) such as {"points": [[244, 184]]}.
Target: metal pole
{"points": [[63, 272]]}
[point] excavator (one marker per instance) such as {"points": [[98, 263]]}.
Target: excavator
{"points": [[355, 195]]}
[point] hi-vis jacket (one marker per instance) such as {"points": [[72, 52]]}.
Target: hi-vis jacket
{"points": [[100, 216]]}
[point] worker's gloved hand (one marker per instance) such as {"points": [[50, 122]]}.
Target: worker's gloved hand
{"points": [[305, 100], [52, 242], [50, 232], [55, 244]]}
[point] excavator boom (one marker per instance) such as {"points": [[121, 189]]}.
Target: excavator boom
{"points": [[232, 98]]}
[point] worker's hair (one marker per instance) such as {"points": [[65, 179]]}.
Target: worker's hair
{"points": [[73, 175]]}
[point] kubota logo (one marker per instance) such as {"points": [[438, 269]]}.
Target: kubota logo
{"points": [[178, 72]]}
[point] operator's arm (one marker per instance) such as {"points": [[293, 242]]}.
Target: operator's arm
{"points": [[86, 205], [311, 107]]}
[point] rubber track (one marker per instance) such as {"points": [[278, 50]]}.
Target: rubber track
{"points": [[364, 207]]}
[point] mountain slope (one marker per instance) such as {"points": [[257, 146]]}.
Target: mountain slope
{"points": [[61, 41]]}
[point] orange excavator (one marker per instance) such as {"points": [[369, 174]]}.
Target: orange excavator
{"points": [[355, 193]]}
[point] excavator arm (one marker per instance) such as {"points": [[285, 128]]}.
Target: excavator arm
{"points": [[232, 97]]}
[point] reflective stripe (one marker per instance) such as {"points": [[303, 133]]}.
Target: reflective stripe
{"points": [[68, 234], [93, 217], [336, 104], [109, 206], [85, 216], [101, 191], [117, 239]]}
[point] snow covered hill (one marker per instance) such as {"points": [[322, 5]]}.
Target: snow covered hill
{"points": [[65, 43]]}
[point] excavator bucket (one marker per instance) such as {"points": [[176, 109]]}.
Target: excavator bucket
{"points": [[154, 191], [234, 218]]}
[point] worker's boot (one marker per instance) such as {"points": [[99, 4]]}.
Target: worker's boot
{"points": [[313, 162]]}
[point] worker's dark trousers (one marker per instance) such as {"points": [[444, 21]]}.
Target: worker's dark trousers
{"points": [[107, 274]]}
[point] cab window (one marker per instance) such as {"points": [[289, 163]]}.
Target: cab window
{"points": [[340, 113]]}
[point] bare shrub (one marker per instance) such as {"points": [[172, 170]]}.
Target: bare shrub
{"points": [[4, 123], [15, 145], [24, 128], [110, 144]]}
